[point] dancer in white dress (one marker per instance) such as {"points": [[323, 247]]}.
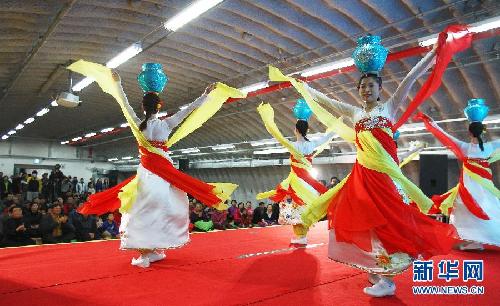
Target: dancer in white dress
{"points": [[154, 203], [159, 218], [300, 187], [475, 201]]}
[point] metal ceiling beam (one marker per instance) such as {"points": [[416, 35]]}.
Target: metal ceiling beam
{"points": [[60, 15]]}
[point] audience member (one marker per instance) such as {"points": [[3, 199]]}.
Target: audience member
{"points": [[258, 214], [85, 227], [14, 230], [219, 219], [5, 187], [109, 229], [81, 187], [333, 182], [32, 221], [200, 219], [55, 227], [34, 186], [270, 216]]}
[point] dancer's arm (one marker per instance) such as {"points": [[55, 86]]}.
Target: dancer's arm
{"points": [[495, 144], [129, 108], [178, 117], [400, 97], [457, 141], [341, 108], [413, 149], [449, 141], [323, 139]]}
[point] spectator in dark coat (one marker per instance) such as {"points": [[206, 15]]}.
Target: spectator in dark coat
{"points": [[258, 214], [5, 187], [270, 216], [14, 229], [32, 221], [55, 227], [85, 227]]}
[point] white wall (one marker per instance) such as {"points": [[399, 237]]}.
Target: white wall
{"points": [[74, 161]]}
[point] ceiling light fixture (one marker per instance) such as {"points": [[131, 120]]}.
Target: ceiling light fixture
{"points": [[29, 120], [107, 130], [82, 84], [254, 87], [42, 112], [191, 12], [125, 55], [346, 62], [191, 150], [223, 147]]}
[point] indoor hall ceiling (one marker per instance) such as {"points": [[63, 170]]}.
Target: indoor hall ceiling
{"points": [[233, 43]]}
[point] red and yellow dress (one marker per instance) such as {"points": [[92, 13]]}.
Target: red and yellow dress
{"points": [[300, 187], [154, 202], [370, 225]]}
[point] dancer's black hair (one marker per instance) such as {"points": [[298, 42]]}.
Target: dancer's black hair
{"points": [[302, 127], [476, 129], [150, 104]]}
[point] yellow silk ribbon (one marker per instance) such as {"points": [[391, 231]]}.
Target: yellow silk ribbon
{"points": [[300, 188], [331, 122], [266, 112], [316, 210], [449, 201], [408, 159], [216, 99], [485, 183], [373, 156]]}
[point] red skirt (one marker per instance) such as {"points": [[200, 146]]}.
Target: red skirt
{"points": [[370, 203]]}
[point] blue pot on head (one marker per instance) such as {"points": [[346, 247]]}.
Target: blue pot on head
{"points": [[476, 110], [370, 55], [152, 78], [301, 110]]}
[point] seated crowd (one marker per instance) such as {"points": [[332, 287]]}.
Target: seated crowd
{"points": [[44, 210], [238, 215], [36, 211]]}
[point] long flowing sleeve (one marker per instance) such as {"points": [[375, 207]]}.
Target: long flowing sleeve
{"points": [[400, 97], [456, 141], [128, 107], [341, 108], [323, 139], [178, 117], [456, 146], [495, 144]]}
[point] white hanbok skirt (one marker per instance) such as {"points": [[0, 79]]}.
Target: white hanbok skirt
{"points": [[159, 218], [472, 228], [377, 261]]}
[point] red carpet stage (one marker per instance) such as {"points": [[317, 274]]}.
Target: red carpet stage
{"points": [[237, 267]]}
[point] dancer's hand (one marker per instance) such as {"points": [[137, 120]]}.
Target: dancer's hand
{"points": [[116, 76], [421, 116], [209, 88]]}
